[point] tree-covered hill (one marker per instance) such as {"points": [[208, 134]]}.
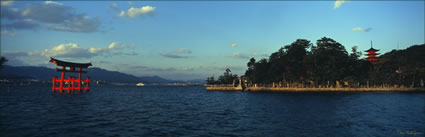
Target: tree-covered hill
{"points": [[404, 67], [327, 63]]}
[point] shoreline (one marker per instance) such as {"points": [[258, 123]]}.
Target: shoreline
{"points": [[270, 89]]}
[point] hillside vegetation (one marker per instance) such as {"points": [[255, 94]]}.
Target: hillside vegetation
{"points": [[328, 64]]}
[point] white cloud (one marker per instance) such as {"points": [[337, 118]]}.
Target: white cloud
{"points": [[234, 45], [15, 53], [81, 23], [183, 51], [96, 50], [113, 7], [65, 50], [25, 12], [22, 24], [6, 32], [130, 4], [246, 56], [358, 29], [73, 50], [338, 3], [113, 45], [10, 13], [70, 51], [179, 54], [6, 2], [218, 67], [135, 12], [52, 2], [53, 15], [132, 46], [174, 56], [188, 69], [240, 55], [122, 14], [14, 58]]}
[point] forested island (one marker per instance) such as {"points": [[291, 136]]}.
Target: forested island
{"points": [[328, 65]]}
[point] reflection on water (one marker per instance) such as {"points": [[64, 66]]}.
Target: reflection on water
{"points": [[184, 111]]}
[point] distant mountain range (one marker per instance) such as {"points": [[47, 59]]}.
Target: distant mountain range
{"points": [[43, 73]]}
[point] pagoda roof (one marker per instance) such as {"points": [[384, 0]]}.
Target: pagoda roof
{"points": [[372, 54], [69, 64], [372, 49]]}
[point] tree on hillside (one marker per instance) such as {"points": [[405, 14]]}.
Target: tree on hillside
{"points": [[301, 62], [402, 67], [250, 72], [211, 80], [277, 68], [356, 70], [261, 73], [226, 78], [295, 54], [2, 61], [330, 60], [284, 65]]}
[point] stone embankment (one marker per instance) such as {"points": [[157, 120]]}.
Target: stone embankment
{"points": [[259, 89], [225, 88], [336, 89]]}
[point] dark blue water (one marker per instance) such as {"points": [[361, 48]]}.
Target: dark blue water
{"points": [[192, 111]]}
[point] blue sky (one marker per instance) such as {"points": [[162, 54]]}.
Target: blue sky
{"points": [[184, 40]]}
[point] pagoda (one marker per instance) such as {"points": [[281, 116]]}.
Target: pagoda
{"points": [[371, 54]]}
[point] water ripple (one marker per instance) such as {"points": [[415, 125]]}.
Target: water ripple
{"points": [[192, 111]]}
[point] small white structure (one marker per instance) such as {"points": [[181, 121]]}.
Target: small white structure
{"points": [[140, 84]]}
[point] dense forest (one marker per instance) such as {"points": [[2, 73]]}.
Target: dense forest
{"points": [[328, 64]]}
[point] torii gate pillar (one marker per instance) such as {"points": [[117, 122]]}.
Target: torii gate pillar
{"points": [[69, 84]]}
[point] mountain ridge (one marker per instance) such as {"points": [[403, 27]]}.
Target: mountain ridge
{"points": [[95, 73]]}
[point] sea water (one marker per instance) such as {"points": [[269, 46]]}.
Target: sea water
{"points": [[193, 111]]}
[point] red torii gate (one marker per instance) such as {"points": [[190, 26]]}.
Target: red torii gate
{"points": [[71, 80]]}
